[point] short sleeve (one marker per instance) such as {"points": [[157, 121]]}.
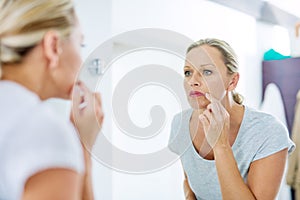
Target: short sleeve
{"points": [[41, 142], [179, 140], [274, 137], [174, 131]]}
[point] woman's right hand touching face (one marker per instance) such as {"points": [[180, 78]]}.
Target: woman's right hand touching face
{"points": [[216, 121], [86, 114]]}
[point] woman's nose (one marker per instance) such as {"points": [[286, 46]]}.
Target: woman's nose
{"points": [[194, 81]]}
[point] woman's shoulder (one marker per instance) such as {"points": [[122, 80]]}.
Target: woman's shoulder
{"points": [[44, 135], [263, 127], [48, 126], [41, 119], [183, 115], [262, 120], [262, 134], [39, 140], [178, 140]]}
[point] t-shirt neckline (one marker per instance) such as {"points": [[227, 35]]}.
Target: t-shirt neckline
{"points": [[236, 141]]}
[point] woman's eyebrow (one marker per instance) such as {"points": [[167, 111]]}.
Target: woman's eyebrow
{"points": [[201, 66], [208, 65]]}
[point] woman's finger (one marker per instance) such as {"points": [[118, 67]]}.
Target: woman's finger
{"points": [[217, 111], [76, 96], [86, 96], [98, 99], [98, 107], [203, 119], [76, 100], [208, 115]]}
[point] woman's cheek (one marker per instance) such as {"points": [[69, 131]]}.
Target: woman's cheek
{"points": [[216, 89]]}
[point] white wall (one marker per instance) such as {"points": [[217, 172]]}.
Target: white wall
{"points": [[194, 18]]}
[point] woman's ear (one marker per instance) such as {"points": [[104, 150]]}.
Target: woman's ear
{"points": [[233, 82], [51, 47]]}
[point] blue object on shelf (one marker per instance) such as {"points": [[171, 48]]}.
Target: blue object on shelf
{"points": [[274, 55]]}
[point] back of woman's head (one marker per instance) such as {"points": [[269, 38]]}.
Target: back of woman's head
{"points": [[23, 24]]}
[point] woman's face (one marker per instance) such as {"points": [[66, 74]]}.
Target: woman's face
{"points": [[69, 62], [205, 72]]}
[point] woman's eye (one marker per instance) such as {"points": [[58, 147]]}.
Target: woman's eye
{"points": [[187, 73], [82, 45], [207, 72]]}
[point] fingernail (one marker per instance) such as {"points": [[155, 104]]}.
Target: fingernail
{"points": [[82, 105]]}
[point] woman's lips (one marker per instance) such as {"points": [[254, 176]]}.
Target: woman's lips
{"points": [[196, 94]]}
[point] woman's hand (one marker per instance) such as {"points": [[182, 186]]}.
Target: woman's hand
{"points": [[87, 117], [215, 120], [86, 114]]}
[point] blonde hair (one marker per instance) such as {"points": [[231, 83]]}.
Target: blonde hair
{"points": [[23, 24], [229, 58]]}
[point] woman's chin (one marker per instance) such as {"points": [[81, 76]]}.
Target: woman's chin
{"points": [[198, 105]]}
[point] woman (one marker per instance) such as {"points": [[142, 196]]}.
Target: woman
{"points": [[41, 156], [228, 150]]}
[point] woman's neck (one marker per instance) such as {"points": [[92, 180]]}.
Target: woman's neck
{"points": [[25, 76]]}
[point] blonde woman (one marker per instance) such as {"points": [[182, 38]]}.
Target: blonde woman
{"points": [[41, 156], [228, 150]]}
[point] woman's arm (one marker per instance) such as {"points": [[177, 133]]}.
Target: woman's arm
{"points": [[189, 194], [87, 191], [264, 176], [88, 121], [58, 184], [231, 182]]}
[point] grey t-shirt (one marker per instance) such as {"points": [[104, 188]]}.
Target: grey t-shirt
{"points": [[259, 136]]}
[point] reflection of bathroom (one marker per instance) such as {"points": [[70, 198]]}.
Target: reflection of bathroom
{"points": [[263, 33]]}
